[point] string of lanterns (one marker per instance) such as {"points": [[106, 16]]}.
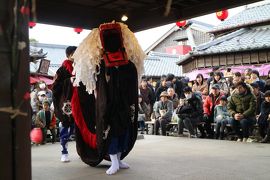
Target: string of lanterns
{"points": [[221, 15]]}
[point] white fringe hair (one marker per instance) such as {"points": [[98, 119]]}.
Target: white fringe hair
{"points": [[89, 53]]}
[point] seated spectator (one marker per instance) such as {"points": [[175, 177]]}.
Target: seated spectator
{"points": [[221, 117], [46, 119], [163, 113], [190, 112], [173, 97], [259, 96], [264, 117], [242, 108], [200, 86], [209, 105], [143, 111], [218, 79]]}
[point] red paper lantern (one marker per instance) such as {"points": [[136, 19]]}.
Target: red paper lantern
{"points": [[221, 15], [25, 10], [181, 23], [32, 24], [36, 135], [78, 30]]}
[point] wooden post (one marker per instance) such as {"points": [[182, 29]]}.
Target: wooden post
{"points": [[15, 156]]}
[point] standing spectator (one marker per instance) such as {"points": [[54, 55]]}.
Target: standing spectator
{"points": [[237, 77], [255, 77], [172, 81], [221, 117], [163, 87], [163, 113], [211, 78], [242, 107], [209, 105], [263, 120], [267, 82], [190, 112], [173, 97], [259, 96], [200, 86], [147, 96], [218, 79], [46, 119], [143, 111], [62, 92], [36, 103], [150, 84], [247, 75]]}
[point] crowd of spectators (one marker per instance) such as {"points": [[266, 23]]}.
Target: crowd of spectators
{"points": [[226, 101]]}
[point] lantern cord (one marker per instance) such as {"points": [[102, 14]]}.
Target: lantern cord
{"points": [[168, 8]]}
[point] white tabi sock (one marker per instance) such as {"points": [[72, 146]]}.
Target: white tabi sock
{"points": [[115, 165], [122, 165]]}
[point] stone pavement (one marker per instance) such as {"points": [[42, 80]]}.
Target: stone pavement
{"points": [[162, 158]]}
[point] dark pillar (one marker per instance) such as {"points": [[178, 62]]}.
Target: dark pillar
{"points": [[15, 148]]}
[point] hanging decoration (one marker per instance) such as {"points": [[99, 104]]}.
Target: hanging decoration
{"points": [[181, 23], [32, 24], [222, 15], [78, 30], [25, 10]]}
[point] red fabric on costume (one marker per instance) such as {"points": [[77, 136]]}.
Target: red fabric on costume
{"points": [[68, 65], [88, 137]]}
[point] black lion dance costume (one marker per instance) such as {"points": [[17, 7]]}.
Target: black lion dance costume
{"points": [[107, 66]]}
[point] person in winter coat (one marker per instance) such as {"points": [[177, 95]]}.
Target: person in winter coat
{"points": [[242, 108], [163, 113], [264, 118], [190, 113], [209, 105], [46, 120], [221, 117]]}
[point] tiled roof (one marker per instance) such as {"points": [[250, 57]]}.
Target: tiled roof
{"points": [[157, 64], [249, 16], [244, 39]]}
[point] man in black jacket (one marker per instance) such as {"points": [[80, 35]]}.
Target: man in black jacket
{"points": [[190, 113]]}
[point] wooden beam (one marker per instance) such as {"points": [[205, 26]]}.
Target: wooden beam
{"points": [[15, 156]]}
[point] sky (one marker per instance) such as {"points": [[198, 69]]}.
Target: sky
{"points": [[50, 34]]}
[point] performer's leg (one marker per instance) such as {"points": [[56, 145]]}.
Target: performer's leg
{"points": [[122, 165], [64, 135], [115, 165], [113, 150]]}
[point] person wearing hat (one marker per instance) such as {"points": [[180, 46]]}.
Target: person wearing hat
{"points": [[242, 108], [163, 113], [211, 101], [221, 117], [189, 113], [46, 119], [264, 117]]}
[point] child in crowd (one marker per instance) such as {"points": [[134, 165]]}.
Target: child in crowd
{"points": [[221, 117], [46, 119]]}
